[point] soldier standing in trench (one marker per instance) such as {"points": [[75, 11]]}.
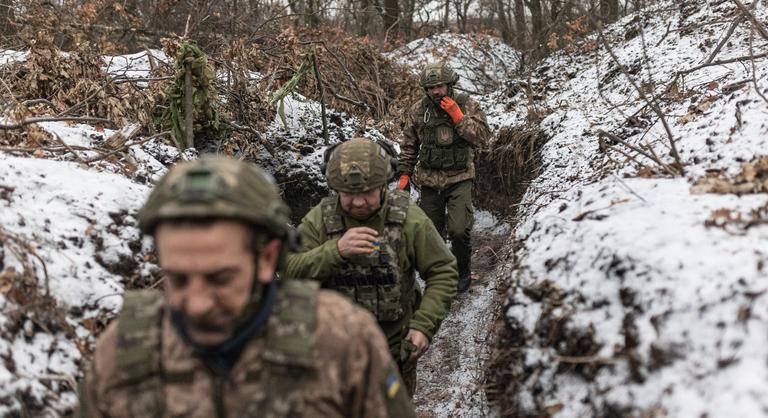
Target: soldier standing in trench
{"points": [[368, 242], [226, 339], [440, 136]]}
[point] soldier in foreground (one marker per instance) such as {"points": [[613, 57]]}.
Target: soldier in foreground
{"points": [[228, 340], [440, 136], [367, 243]]}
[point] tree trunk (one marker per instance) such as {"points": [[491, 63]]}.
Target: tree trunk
{"points": [[506, 31], [537, 23], [447, 14], [520, 26], [365, 18], [609, 10], [391, 15], [6, 16]]}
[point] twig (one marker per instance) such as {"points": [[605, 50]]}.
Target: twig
{"points": [[61, 141], [756, 23], [754, 71], [651, 103], [261, 140], [189, 121], [321, 92], [723, 62], [30, 121], [736, 22]]}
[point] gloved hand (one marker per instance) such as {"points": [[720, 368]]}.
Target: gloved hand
{"points": [[404, 183], [452, 109]]}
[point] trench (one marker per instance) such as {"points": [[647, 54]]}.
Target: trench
{"points": [[455, 372]]}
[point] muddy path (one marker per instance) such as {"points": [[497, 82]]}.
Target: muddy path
{"points": [[451, 373]]}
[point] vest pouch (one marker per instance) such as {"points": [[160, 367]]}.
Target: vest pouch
{"points": [[460, 158], [444, 134], [437, 158], [390, 306], [425, 156], [367, 298]]}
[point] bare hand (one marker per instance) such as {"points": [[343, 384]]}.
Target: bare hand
{"points": [[418, 339], [357, 241]]}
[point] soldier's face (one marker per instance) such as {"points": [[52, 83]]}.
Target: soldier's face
{"points": [[209, 274], [436, 93], [361, 206]]}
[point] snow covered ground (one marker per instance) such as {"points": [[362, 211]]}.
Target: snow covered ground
{"points": [[648, 309]]}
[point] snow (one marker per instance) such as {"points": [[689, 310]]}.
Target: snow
{"points": [[628, 250], [480, 60]]}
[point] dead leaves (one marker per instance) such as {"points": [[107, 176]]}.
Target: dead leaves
{"points": [[737, 223], [697, 109], [752, 179]]}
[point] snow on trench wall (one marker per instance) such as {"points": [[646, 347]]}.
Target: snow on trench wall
{"points": [[626, 302]]}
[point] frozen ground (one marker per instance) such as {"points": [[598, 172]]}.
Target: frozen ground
{"points": [[628, 301]]}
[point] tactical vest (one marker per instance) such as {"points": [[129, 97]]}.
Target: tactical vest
{"points": [[441, 146], [287, 356], [373, 281]]}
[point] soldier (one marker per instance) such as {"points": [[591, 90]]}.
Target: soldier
{"points": [[228, 339], [367, 243], [440, 135]]}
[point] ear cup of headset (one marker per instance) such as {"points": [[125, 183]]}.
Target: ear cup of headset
{"points": [[326, 157], [393, 162]]}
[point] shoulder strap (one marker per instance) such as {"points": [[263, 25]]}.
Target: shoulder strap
{"points": [[139, 351], [332, 221], [291, 329], [462, 99], [398, 203]]}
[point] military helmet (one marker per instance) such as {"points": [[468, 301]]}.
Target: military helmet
{"points": [[359, 165], [217, 187], [435, 74]]}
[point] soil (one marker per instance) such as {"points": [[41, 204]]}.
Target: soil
{"points": [[451, 375]]}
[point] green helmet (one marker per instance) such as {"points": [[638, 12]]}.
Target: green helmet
{"points": [[435, 74], [216, 187], [359, 165]]}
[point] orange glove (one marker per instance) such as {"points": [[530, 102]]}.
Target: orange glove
{"points": [[452, 109], [404, 180]]}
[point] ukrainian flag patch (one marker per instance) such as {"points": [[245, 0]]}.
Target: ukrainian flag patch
{"points": [[393, 385]]}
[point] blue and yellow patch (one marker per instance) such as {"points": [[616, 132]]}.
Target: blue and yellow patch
{"points": [[393, 385]]}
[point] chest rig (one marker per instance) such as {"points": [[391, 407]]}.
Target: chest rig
{"points": [[441, 146], [286, 358], [373, 281]]}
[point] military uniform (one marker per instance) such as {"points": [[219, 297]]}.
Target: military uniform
{"points": [[297, 351], [384, 281], [439, 154], [320, 356]]}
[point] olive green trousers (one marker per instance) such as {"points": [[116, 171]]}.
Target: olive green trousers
{"points": [[451, 211]]}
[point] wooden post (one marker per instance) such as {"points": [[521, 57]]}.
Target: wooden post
{"points": [[322, 97], [188, 107]]}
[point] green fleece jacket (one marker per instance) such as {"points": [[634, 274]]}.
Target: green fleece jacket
{"points": [[421, 249]]}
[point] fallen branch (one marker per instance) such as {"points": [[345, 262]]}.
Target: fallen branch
{"points": [[736, 22], [723, 62], [31, 121], [756, 23]]}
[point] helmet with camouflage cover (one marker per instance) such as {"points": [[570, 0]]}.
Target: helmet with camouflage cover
{"points": [[435, 74], [217, 187], [359, 165]]}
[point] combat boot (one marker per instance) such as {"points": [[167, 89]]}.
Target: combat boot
{"points": [[464, 282]]}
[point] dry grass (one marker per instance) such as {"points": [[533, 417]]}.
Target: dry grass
{"points": [[506, 169]]}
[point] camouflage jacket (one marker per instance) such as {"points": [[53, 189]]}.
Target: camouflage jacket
{"points": [[422, 250], [349, 373], [473, 129]]}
